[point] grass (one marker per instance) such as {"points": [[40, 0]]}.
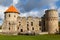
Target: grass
{"points": [[25, 37]]}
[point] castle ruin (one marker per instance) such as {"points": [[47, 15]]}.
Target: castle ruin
{"points": [[15, 24]]}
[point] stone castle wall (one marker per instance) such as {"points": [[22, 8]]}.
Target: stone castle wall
{"points": [[13, 23], [29, 25]]}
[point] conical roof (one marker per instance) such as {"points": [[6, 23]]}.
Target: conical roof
{"points": [[11, 9]]}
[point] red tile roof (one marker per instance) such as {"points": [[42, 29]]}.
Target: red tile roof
{"points": [[12, 9]]}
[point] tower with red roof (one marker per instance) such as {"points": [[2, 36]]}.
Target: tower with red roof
{"points": [[10, 23]]}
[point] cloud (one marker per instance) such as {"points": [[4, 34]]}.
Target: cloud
{"points": [[6, 2], [2, 10], [52, 6], [15, 2], [28, 5], [39, 13], [3, 6], [58, 10]]}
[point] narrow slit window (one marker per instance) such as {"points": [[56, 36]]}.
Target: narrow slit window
{"points": [[9, 15]]}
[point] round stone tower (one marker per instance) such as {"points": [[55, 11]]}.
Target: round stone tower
{"points": [[10, 20], [51, 17]]}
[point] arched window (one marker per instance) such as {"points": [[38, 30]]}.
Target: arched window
{"points": [[21, 30]]}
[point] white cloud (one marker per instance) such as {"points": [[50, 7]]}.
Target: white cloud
{"points": [[58, 10], [15, 2], [32, 4], [2, 10], [52, 6], [39, 13]]}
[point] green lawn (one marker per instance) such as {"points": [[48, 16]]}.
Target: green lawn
{"points": [[25, 37]]}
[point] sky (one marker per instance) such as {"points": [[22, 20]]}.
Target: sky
{"points": [[35, 8]]}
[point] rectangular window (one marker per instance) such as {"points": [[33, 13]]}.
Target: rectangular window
{"points": [[39, 23], [32, 28], [31, 23]]}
